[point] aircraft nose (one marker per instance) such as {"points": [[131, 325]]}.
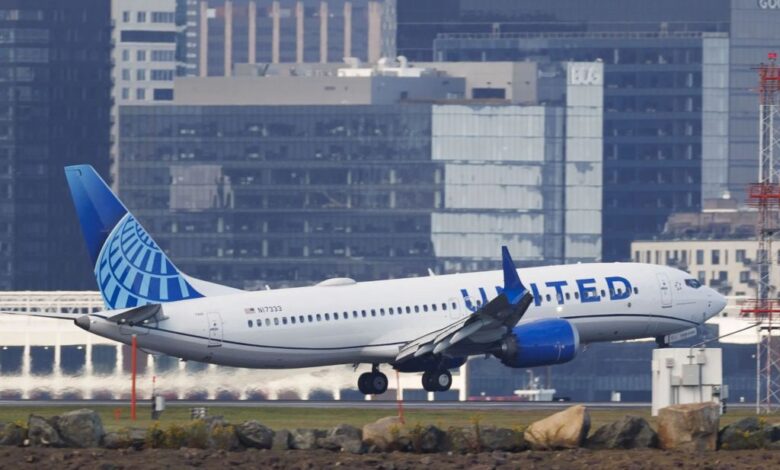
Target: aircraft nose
{"points": [[717, 301]]}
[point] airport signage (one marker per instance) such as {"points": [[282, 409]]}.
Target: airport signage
{"points": [[769, 4], [585, 74]]}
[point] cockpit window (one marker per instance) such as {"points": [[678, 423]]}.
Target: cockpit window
{"points": [[694, 283]]}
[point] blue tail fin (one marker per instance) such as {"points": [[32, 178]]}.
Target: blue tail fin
{"points": [[130, 268]]}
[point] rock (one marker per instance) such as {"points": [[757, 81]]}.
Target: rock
{"points": [[254, 435], [747, 433], [690, 427], [81, 428], [344, 438], [305, 439], [563, 430], [386, 434], [12, 435], [41, 433], [125, 438], [630, 432], [503, 439], [281, 440], [428, 439]]}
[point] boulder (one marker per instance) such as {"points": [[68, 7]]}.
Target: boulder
{"points": [[689, 427], [502, 439], [81, 428], [747, 433], [12, 434], [386, 434], [281, 440], [42, 433], [343, 438], [305, 439], [563, 430], [254, 435], [630, 432], [427, 439]]}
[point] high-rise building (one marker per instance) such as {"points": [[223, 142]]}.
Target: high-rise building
{"points": [[145, 41], [55, 102], [368, 173], [681, 119], [222, 33]]}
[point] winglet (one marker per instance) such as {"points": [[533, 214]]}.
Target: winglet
{"points": [[513, 288]]}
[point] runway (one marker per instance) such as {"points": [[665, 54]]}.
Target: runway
{"points": [[352, 404]]}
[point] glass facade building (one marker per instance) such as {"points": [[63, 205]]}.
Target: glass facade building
{"points": [[55, 102], [664, 132]]}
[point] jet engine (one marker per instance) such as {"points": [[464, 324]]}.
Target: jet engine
{"points": [[539, 343]]}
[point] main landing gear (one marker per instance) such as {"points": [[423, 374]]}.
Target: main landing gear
{"points": [[372, 383], [437, 380]]}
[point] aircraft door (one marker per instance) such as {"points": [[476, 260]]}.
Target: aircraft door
{"points": [[666, 290], [214, 329]]}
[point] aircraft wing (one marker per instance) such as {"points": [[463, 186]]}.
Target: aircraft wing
{"points": [[53, 315], [475, 333]]}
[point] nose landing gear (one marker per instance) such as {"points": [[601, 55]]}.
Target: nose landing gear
{"points": [[372, 383], [437, 380]]}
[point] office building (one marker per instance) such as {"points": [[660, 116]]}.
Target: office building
{"points": [[367, 173], [680, 114], [222, 33], [55, 103]]}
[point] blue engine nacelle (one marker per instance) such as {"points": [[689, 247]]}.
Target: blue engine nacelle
{"points": [[540, 343]]}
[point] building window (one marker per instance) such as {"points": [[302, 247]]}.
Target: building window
{"points": [[166, 75], [739, 256], [715, 256], [126, 74], [163, 56], [699, 257], [140, 56], [162, 17], [701, 276], [141, 17], [140, 94], [125, 93], [744, 276], [125, 55], [125, 17]]}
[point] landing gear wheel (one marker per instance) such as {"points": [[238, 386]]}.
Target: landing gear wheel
{"points": [[443, 380], [378, 383], [364, 383]]}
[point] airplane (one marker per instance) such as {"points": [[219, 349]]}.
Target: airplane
{"points": [[528, 317]]}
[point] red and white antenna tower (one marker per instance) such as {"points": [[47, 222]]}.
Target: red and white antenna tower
{"points": [[765, 197]]}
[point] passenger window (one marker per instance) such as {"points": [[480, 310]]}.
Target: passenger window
{"points": [[408, 309], [311, 319], [603, 294], [335, 315], [276, 321], [416, 309], [620, 291], [327, 317], [568, 296], [382, 312], [284, 320], [250, 323], [433, 307], [479, 302], [267, 322], [354, 314], [443, 306], [363, 312], [549, 299], [319, 317], [454, 306], [259, 322], [292, 320], [576, 295], [425, 308], [300, 319], [373, 312], [636, 290], [346, 315], [390, 310]]}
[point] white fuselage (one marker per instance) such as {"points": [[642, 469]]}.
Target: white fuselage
{"points": [[367, 322]]}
